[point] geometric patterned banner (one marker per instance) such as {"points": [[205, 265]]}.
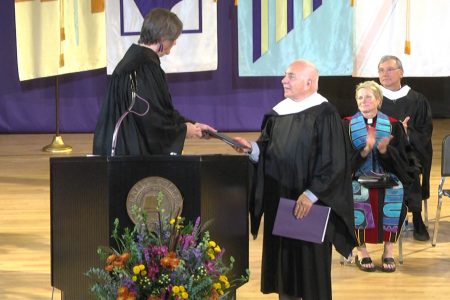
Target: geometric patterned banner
{"points": [[196, 48], [274, 33]]}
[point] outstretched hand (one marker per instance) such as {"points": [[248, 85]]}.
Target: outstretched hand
{"points": [[197, 130], [192, 131], [247, 146], [205, 128]]}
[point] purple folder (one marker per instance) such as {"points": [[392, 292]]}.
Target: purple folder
{"points": [[310, 228]]}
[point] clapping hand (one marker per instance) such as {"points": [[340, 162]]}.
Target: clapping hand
{"points": [[370, 141], [405, 123], [383, 143]]}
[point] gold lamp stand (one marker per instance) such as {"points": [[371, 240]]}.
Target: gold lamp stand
{"points": [[57, 145]]}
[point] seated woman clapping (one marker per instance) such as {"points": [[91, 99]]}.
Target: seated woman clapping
{"points": [[380, 173]]}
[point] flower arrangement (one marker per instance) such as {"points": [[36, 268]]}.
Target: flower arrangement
{"points": [[171, 261]]}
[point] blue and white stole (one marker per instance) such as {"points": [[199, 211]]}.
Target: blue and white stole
{"points": [[393, 198]]}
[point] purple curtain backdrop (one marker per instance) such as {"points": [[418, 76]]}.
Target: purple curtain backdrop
{"points": [[220, 98]]}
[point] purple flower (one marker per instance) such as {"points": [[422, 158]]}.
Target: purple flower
{"points": [[153, 269], [186, 241], [130, 284], [196, 227]]}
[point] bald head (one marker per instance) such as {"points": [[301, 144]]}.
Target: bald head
{"points": [[301, 80]]}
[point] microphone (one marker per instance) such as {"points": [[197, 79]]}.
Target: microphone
{"points": [[129, 110]]}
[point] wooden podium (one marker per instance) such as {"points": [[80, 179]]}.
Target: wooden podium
{"points": [[89, 193]]}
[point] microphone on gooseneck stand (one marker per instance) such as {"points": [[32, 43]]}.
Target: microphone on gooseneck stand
{"points": [[129, 110]]}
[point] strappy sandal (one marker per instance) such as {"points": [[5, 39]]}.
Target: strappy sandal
{"points": [[390, 261], [364, 261]]}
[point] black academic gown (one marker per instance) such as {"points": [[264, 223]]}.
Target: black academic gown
{"points": [[300, 151], [161, 131], [420, 130], [394, 161]]}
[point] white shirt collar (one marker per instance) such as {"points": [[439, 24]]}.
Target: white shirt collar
{"points": [[289, 106], [394, 95]]}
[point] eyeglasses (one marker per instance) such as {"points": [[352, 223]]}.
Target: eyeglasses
{"points": [[388, 70]]}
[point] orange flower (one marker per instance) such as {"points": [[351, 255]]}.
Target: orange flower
{"points": [[170, 261], [109, 268], [125, 256], [123, 293], [116, 261], [111, 258], [214, 295]]}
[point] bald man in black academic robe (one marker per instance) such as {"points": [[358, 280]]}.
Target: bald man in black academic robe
{"points": [[301, 155]]}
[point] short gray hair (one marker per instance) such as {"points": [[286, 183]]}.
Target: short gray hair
{"points": [[398, 62], [160, 24]]}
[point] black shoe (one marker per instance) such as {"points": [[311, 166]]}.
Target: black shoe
{"points": [[420, 230], [421, 234]]}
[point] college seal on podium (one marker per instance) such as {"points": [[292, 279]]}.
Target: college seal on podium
{"points": [[144, 194]]}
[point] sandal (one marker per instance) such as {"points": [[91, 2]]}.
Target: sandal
{"points": [[364, 261], [390, 261]]}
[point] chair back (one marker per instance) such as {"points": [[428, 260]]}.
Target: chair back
{"points": [[445, 166]]}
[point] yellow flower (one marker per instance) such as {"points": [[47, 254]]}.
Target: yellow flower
{"points": [[134, 278], [223, 278], [143, 273], [184, 295], [175, 289], [212, 244], [182, 289], [217, 286], [172, 221], [217, 249], [210, 253], [136, 270], [142, 267]]}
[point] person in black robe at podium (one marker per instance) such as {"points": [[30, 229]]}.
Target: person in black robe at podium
{"points": [[413, 109], [301, 155], [138, 100]]}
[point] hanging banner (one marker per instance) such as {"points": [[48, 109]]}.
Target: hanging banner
{"points": [[394, 27], [196, 48], [272, 34], [57, 37]]}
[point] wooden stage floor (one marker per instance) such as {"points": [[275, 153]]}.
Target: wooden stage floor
{"points": [[25, 230]]}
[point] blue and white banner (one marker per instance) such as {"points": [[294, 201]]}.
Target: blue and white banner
{"points": [[272, 34], [196, 48]]}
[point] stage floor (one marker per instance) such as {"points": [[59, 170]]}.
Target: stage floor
{"points": [[25, 229]]}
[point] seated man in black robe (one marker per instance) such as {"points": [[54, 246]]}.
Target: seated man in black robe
{"points": [[413, 109], [301, 155], [138, 117]]}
